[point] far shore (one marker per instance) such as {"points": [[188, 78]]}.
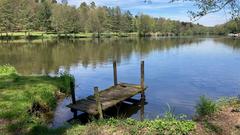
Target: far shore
{"points": [[51, 35]]}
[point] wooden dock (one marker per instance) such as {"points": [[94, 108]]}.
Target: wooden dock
{"points": [[102, 100]]}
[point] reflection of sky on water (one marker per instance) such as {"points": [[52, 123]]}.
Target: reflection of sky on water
{"points": [[178, 71]]}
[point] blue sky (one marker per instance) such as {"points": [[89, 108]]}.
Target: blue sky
{"points": [[160, 8]]}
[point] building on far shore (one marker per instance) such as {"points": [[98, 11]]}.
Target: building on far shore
{"points": [[234, 34]]}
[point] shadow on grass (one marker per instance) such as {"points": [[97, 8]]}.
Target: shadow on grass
{"points": [[211, 127], [43, 130]]}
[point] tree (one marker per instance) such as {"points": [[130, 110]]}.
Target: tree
{"points": [[127, 22], [43, 15], [94, 24], [65, 19], [103, 18], [116, 19], [211, 6], [65, 2], [27, 15], [92, 5], [84, 12], [8, 16], [47, 15], [145, 24]]}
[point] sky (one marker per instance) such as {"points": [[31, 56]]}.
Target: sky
{"points": [[161, 8]]}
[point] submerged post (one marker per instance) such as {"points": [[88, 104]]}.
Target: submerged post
{"points": [[72, 87], [115, 73], [142, 102], [99, 105], [142, 80]]}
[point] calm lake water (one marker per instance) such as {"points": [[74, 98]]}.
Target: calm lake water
{"points": [[177, 70]]}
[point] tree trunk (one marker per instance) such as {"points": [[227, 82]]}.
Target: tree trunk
{"points": [[98, 34]]}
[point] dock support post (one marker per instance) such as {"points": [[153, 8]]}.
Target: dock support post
{"points": [[99, 105], [142, 81], [72, 87], [142, 103], [115, 73]]}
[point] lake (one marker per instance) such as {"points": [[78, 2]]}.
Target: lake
{"points": [[177, 70]]}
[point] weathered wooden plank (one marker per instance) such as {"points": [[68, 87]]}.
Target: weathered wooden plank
{"points": [[129, 85], [108, 98], [84, 105]]}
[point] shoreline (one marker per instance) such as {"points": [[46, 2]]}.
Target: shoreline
{"points": [[44, 35]]}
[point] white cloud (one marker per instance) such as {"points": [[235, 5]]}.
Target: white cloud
{"points": [[214, 19], [159, 8]]}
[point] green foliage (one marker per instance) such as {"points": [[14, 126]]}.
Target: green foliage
{"points": [[211, 6], [205, 106], [7, 70], [29, 15], [131, 126], [145, 24], [66, 79], [43, 16]]}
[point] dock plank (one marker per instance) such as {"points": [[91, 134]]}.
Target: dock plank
{"points": [[108, 98]]}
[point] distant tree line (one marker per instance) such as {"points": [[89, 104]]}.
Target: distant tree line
{"points": [[61, 18], [232, 26]]}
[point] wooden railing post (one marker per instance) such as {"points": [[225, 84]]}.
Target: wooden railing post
{"points": [[72, 87], [98, 102], [142, 80], [115, 73]]}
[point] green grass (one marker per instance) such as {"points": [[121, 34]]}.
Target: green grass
{"points": [[134, 127], [27, 102], [206, 106], [43, 35], [7, 70]]}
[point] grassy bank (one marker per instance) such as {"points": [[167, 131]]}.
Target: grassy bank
{"points": [[27, 102], [221, 117], [169, 126], [44, 35]]}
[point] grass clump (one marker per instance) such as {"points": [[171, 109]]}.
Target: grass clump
{"points": [[205, 106], [7, 70], [66, 79], [134, 127]]}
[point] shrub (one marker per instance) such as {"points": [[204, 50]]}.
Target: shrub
{"points": [[66, 79], [7, 70], [205, 106]]}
